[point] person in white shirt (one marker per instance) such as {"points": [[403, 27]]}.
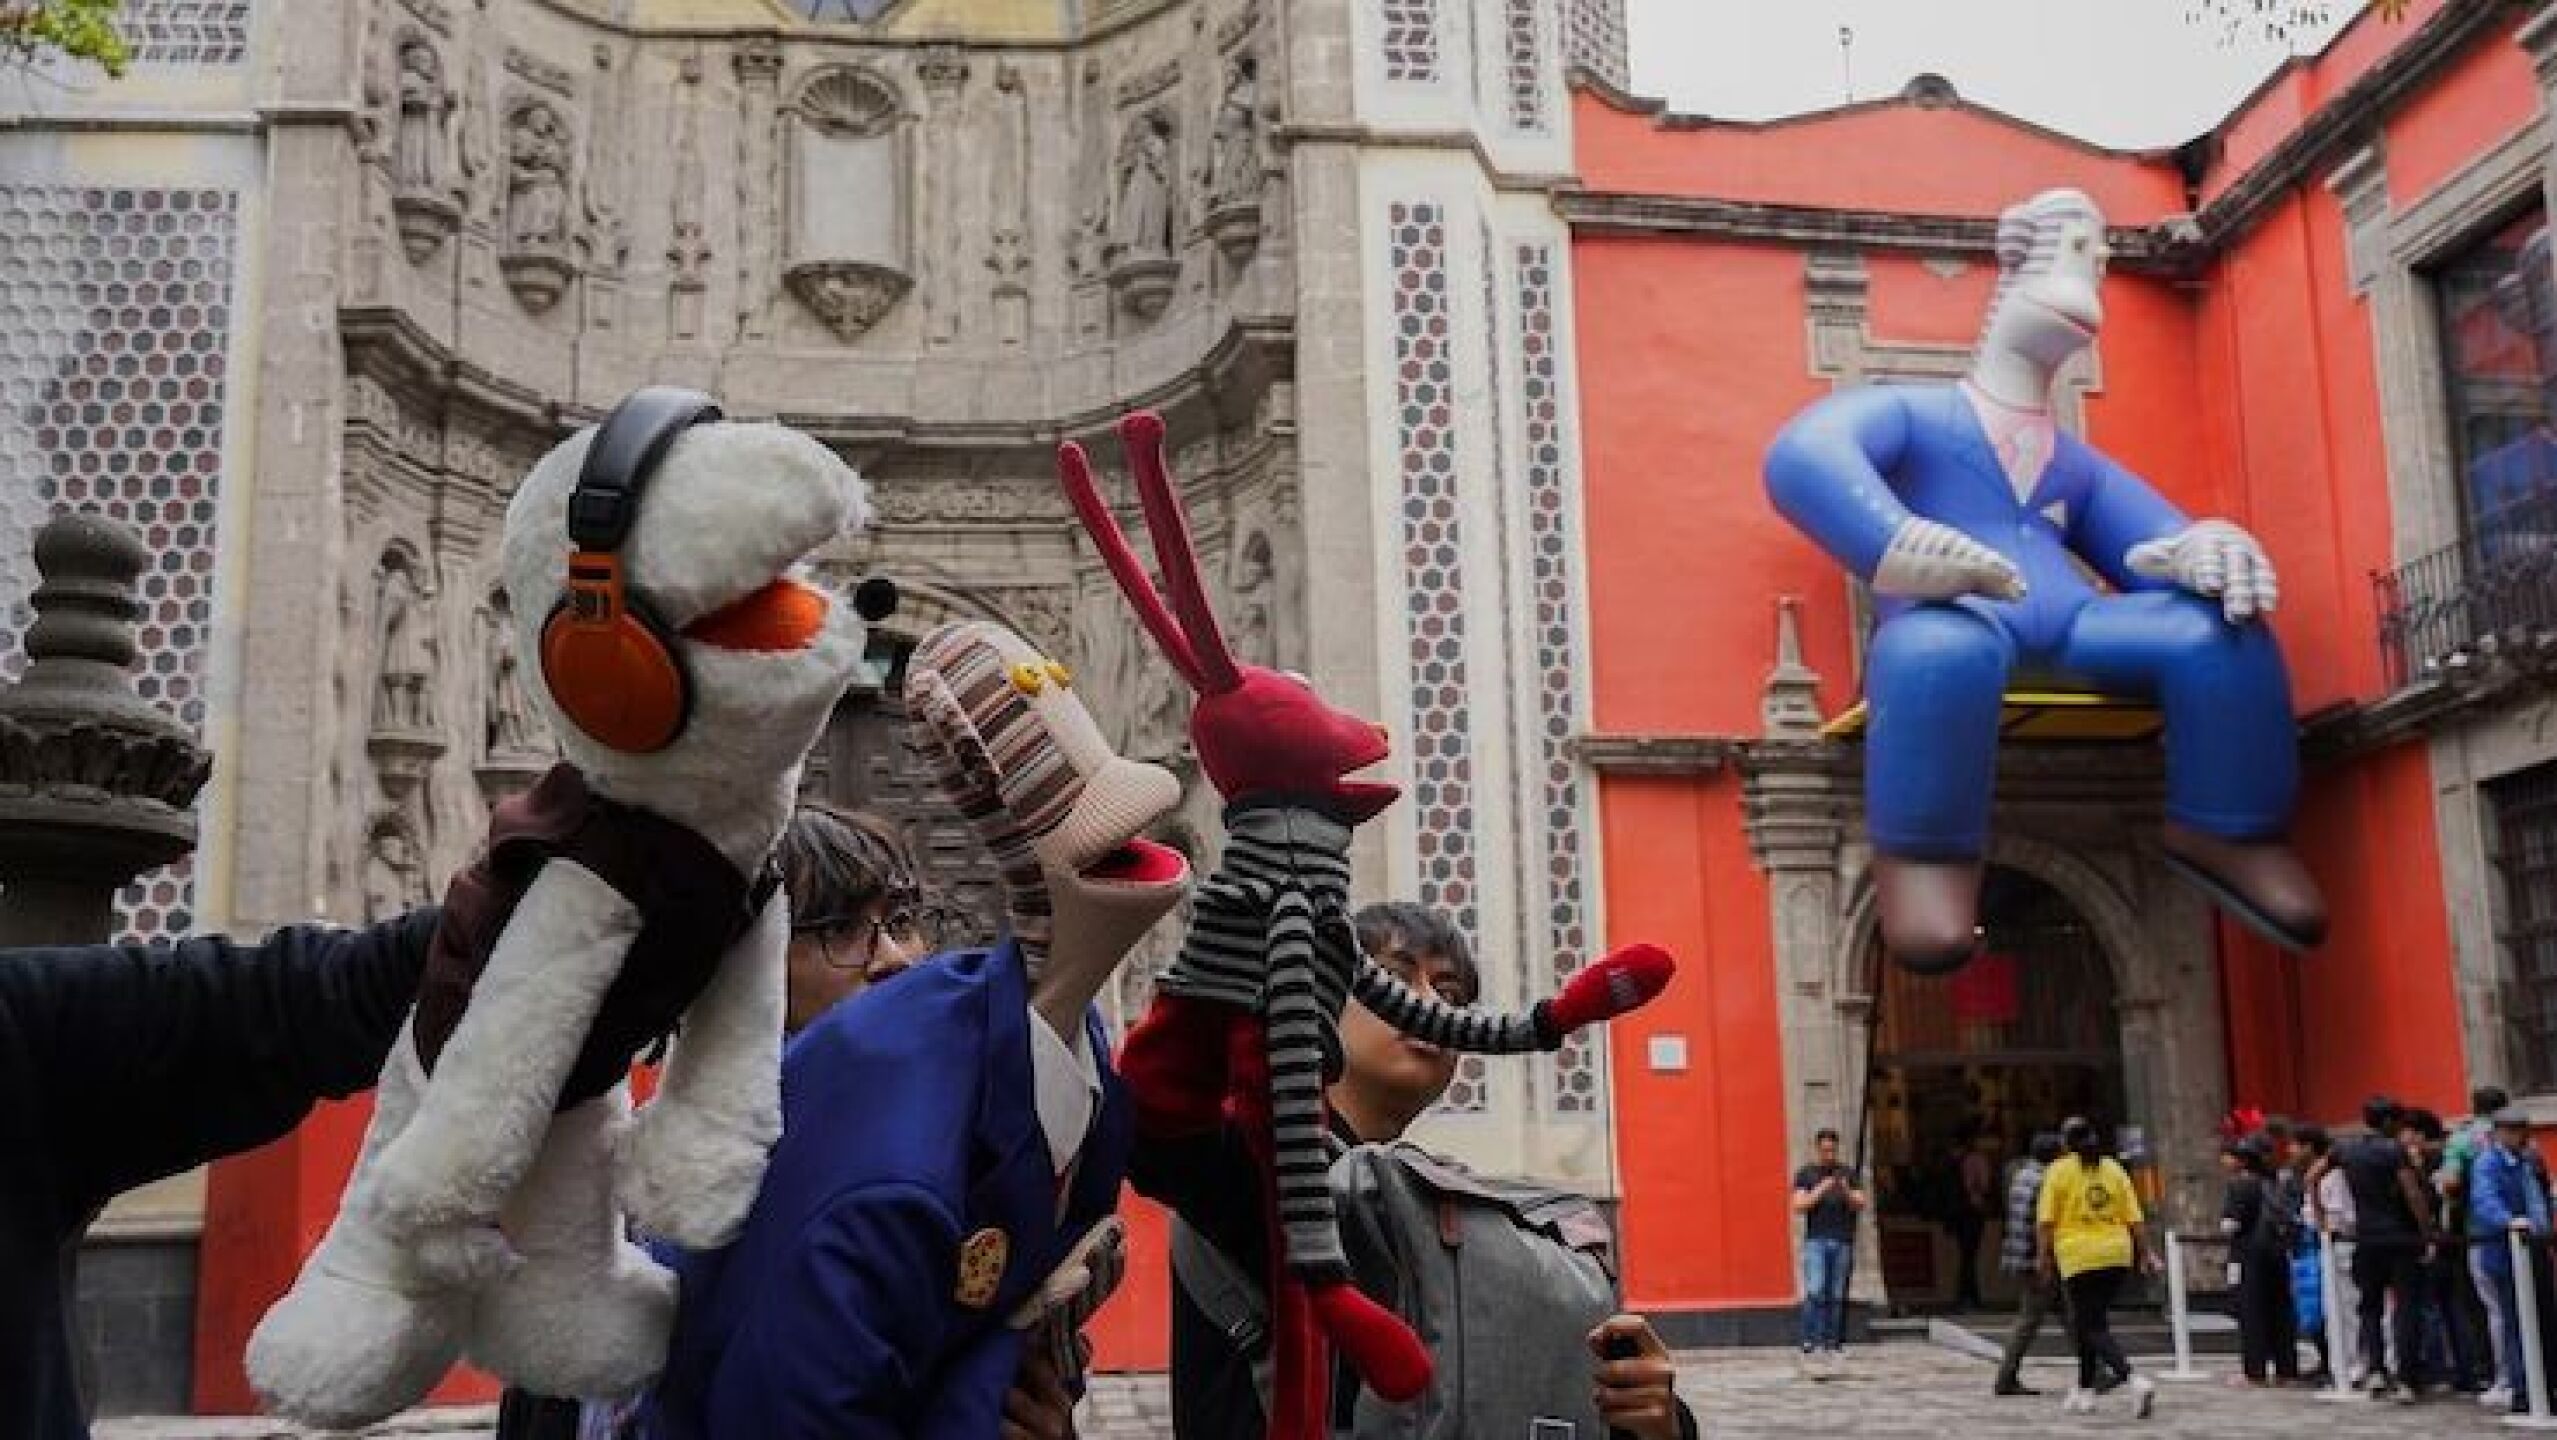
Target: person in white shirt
{"points": [[2330, 1208]]}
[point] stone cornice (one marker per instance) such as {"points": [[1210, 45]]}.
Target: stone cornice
{"points": [[1218, 391], [1464, 142], [2351, 118], [1656, 754], [2167, 249], [2348, 731]]}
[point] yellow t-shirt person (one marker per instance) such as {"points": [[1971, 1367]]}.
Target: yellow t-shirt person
{"points": [[2091, 1209]]}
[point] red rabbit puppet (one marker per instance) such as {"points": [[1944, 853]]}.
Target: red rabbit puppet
{"points": [[1248, 1011]]}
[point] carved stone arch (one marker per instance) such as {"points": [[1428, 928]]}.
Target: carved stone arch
{"points": [[923, 606], [2115, 919]]}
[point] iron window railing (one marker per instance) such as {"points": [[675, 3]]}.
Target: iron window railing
{"points": [[2493, 590]]}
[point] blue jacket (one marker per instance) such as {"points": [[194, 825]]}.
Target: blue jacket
{"points": [[1848, 470], [909, 1126], [2501, 1188]]}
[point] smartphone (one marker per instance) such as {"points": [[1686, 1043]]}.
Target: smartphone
{"points": [[1542, 1429]]}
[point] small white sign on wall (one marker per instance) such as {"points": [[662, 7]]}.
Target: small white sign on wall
{"points": [[1669, 1054]]}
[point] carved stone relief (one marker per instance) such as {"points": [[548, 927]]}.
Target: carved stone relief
{"points": [[944, 73], [688, 252], [605, 234], [540, 155], [395, 877], [1250, 582], [1142, 704], [758, 66], [1235, 175], [1008, 246], [1144, 230], [848, 246]]}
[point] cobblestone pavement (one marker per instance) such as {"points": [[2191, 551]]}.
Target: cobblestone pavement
{"points": [[1905, 1391], [1914, 1391]]}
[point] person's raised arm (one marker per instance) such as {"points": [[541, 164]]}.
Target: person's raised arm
{"points": [[153, 1060]]}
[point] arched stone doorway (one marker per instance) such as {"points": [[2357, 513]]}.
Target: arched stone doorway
{"points": [[2027, 1034]]}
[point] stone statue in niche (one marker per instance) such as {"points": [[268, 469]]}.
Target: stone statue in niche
{"points": [[1234, 161], [1143, 267], [405, 643], [508, 727], [1249, 580], [847, 256], [423, 187], [537, 186], [539, 154], [1142, 220], [1235, 177], [394, 872]]}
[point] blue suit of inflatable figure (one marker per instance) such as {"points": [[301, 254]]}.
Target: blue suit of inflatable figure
{"points": [[1851, 468], [1987, 553]]}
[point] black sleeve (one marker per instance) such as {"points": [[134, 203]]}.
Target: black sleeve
{"points": [[2243, 1204], [1688, 1428], [1210, 1182], [152, 1060]]}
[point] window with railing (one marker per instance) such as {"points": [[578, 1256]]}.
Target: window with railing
{"points": [[2495, 586], [2524, 807]]}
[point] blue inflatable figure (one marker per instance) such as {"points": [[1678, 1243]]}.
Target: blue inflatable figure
{"points": [[1999, 548]]}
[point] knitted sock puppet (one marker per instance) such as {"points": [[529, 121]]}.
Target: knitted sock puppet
{"points": [[1253, 999], [1015, 752]]}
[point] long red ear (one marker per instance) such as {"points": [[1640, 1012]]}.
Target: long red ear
{"points": [[1074, 469], [1142, 434]]}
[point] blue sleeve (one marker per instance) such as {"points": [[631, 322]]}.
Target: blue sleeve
{"points": [[2490, 1209], [2537, 1196], [846, 1334], [2121, 510], [1825, 473]]}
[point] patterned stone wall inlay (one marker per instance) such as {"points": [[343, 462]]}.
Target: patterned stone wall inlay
{"points": [[186, 32], [114, 336], [1549, 532], [1411, 41], [1597, 41], [1525, 57], [1433, 569]]}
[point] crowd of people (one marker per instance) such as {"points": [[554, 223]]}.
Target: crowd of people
{"points": [[2411, 1218], [2419, 1217]]}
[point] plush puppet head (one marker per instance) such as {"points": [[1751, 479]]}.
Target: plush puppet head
{"points": [[1027, 767], [2051, 254], [1259, 734], [718, 523]]}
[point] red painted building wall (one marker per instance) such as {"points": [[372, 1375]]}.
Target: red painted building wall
{"points": [[2249, 391]]}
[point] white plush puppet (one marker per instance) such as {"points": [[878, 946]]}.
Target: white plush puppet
{"points": [[686, 673]]}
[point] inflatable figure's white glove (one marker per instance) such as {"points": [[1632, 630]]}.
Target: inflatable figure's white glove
{"points": [[1929, 561], [2213, 558]]}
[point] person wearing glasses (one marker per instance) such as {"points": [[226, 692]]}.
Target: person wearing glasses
{"points": [[858, 917]]}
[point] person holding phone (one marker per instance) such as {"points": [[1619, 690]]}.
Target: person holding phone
{"points": [[1826, 1197]]}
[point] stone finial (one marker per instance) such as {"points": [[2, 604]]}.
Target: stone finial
{"points": [[1790, 708], [94, 781]]}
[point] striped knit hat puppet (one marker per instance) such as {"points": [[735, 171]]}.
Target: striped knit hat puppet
{"points": [[1251, 1004], [1016, 753]]}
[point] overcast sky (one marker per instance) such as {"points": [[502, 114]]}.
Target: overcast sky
{"points": [[2137, 74]]}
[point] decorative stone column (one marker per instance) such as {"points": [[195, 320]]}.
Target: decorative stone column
{"points": [[1795, 797], [94, 783]]}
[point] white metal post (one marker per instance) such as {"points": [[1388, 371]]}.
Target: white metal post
{"points": [[2179, 1321], [2526, 1315]]}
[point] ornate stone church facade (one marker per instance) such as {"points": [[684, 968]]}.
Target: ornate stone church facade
{"points": [[305, 293]]}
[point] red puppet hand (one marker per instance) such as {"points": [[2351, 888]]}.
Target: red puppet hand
{"points": [[1620, 981], [1174, 1063]]}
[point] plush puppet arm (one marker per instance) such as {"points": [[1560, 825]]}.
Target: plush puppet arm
{"points": [[1625, 980], [689, 1169], [439, 1186], [1173, 1061]]}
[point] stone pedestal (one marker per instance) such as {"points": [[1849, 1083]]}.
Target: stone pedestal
{"points": [[94, 782]]}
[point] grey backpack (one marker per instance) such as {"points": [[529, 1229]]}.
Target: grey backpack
{"points": [[1502, 1279]]}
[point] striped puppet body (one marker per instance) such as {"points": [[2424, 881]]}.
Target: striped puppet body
{"points": [[1270, 934]]}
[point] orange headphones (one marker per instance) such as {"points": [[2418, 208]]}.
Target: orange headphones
{"points": [[611, 666]]}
